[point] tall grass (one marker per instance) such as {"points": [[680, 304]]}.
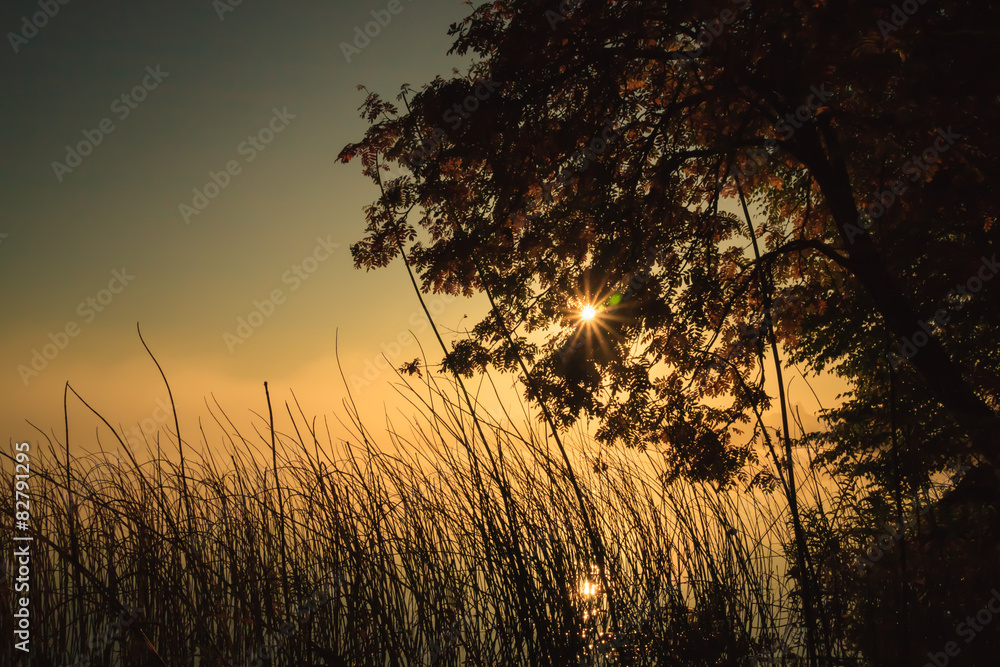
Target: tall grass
{"points": [[430, 546]]}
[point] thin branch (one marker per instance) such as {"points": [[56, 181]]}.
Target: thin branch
{"points": [[805, 244]]}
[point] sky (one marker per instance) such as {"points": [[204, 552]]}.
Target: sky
{"points": [[248, 103], [174, 167]]}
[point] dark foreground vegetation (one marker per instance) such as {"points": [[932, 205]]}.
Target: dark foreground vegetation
{"points": [[458, 539]]}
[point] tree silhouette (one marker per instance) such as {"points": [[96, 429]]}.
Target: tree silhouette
{"points": [[718, 177]]}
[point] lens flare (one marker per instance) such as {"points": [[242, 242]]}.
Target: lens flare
{"points": [[587, 313]]}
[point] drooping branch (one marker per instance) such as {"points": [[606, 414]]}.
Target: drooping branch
{"points": [[807, 244]]}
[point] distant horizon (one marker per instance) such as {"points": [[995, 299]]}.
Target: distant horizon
{"points": [[188, 187]]}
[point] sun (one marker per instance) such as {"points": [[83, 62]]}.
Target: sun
{"points": [[588, 313]]}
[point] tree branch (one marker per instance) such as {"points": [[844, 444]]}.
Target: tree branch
{"points": [[818, 246]]}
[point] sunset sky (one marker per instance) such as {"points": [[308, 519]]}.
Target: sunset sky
{"points": [[211, 85], [261, 95]]}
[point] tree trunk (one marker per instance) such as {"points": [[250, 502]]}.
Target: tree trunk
{"points": [[943, 376]]}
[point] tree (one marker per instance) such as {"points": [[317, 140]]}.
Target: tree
{"points": [[602, 168], [593, 172]]}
